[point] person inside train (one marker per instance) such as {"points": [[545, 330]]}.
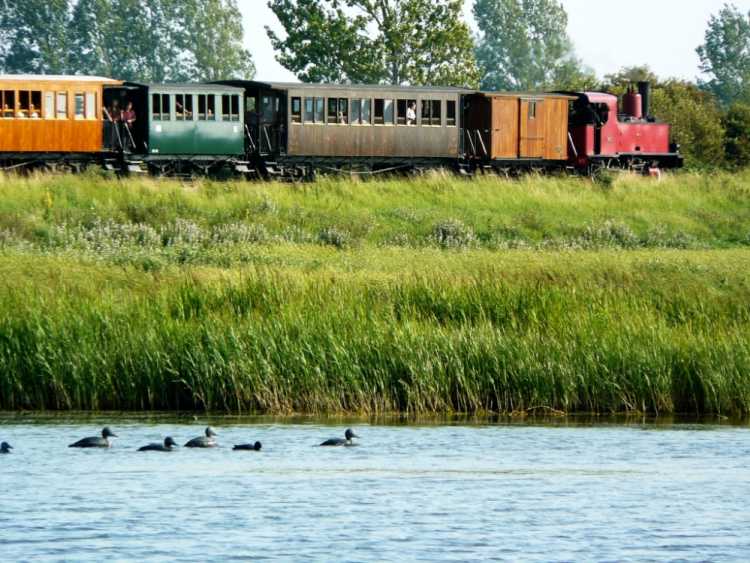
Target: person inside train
{"points": [[7, 112], [33, 113], [411, 113], [128, 119]]}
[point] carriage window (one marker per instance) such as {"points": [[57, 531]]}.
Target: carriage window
{"points": [[161, 107], [80, 106], [338, 111], [431, 112], [29, 104], [320, 110], [366, 114], [61, 106], [401, 112], [7, 104], [90, 105], [49, 105], [250, 103], [296, 110], [269, 107], [450, 113], [230, 107], [308, 113], [379, 112], [206, 107], [532, 110], [183, 107], [333, 109], [356, 111]]}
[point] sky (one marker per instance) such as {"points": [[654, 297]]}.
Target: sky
{"points": [[660, 33]]}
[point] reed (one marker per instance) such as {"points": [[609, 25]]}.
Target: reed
{"points": [[650, 331], [417, 296]]}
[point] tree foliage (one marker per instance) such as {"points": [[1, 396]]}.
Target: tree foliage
{"points": [[696, 121], [35, 34], [524, 45], [737, 142], [148, 40], [419, 42], [725, 55]]}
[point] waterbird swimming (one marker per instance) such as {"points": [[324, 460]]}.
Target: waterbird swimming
{"points": [[96, 441], [256, 446], [167, 446], [349, 434], [206, 441], [5, 448]]}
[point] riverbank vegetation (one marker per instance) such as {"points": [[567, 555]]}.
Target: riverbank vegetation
{"points": [[429, 295]]}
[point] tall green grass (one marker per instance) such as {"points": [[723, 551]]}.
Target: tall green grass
{"points": [[428, 295], [410, 331]]}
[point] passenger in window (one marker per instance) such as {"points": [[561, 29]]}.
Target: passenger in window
{"points": [[33, 114], [113, 113], [411, 113], [7, 112], [342, 118]]}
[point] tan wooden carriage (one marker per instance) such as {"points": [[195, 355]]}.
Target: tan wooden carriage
{"points": [[51, 114], [510, 126]]}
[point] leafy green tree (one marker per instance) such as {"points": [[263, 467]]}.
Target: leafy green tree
{"points": [[159, 40], [696, 121], [34, 36], [618, 82], [737, 141], [725, 55], [215, 41], [524, 45], [419, 42]]}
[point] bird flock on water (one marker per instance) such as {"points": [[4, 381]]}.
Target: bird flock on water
{"points": [[208, 440]]}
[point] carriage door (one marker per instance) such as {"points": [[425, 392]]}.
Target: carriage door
{"points": [[532, 128], [272, 122]]}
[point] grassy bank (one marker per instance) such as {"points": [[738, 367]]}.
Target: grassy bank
{"points": [[435, 295]]}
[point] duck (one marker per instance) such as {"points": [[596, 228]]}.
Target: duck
{"points": [[254, 447], [206, 441], [346, 441], [96, 441], [167, 446], [5, 448]]}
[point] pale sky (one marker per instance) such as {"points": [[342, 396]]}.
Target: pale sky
{"points": [[607, 35]]}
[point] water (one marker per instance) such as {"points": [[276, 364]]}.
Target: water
{"points": [[559, 492]]}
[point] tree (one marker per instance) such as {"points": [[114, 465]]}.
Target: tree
{"points": [[524, 45], [159, 40], [725, 56], [34, 36], [215, 41], [618, 82], [696, 121], [418, 42], [737, 141]]}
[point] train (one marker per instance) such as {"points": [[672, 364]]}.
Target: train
{"points": [[269, 130]]}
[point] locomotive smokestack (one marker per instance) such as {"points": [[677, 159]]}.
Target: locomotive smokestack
{"points": [[644, 89]]}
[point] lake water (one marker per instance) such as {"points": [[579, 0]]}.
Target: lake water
{"points": [[459, 491]]}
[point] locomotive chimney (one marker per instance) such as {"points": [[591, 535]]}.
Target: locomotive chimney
{"points": [[631, 104], [644, 89]]}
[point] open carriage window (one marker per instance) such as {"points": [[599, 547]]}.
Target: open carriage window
{"points": [[296, 110], [361, 112], [161, 107], [383, 112], [431, 112], [206, 107], [29, 104], [230, 106], [450, 113], [183, 107], [338, 111], [7, 104]]}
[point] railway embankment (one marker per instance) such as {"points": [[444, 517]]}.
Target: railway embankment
{"points": [[429, 295]]}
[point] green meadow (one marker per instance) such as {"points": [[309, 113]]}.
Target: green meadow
{"points": [[427, 295]]}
